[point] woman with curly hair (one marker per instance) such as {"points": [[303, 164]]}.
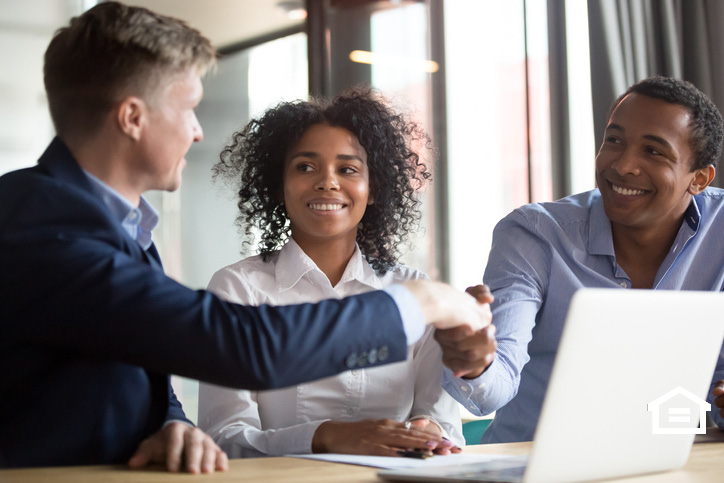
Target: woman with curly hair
{"points": [[332, 188]]}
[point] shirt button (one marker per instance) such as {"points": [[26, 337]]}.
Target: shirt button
{"points": [[463, 388], [351, 360], [372, 356], [623, 284], [362, 359], [472, 406], [383, 353], [481, 385]]}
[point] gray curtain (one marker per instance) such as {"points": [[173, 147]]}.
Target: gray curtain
{"points": [[634, 39]]}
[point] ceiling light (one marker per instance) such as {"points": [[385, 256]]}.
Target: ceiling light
{"points": [[364, 57], [294, 9]]}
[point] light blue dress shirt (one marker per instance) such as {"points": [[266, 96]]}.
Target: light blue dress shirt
{"points": [[541, 254], [139, 222]]}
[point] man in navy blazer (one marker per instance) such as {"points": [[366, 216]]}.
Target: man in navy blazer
{"points": [[90, 327]]}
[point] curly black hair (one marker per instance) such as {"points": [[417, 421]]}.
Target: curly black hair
{"points": [[707, 127], [254, 161]]}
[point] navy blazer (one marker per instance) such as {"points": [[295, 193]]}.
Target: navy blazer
{"points": [[90, 328]]}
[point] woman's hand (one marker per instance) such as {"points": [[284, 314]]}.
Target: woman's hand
{"points": [[425, 424], [379, 437]]}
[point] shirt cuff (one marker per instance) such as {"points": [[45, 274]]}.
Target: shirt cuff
{"points": [[413, 320], [468, 392], [169, 421]]}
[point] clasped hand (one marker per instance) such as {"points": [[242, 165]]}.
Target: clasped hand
{"points": [[468, 352], [380, 437]]}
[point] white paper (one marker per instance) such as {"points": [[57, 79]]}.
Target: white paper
{"points": [[389, 462]]}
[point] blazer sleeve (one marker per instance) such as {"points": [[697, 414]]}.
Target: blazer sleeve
{"points": [[71, 282]]}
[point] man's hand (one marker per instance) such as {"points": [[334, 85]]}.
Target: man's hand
{"points": [[718, 392], [379, 437], [445, 307], [468, 353], [177, 443], [481, 293]]}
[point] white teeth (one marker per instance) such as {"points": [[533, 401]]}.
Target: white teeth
{"points": [[626, 192], [325, 207]]}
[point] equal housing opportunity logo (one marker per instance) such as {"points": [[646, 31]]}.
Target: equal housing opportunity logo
{"points": [[677, 412]]}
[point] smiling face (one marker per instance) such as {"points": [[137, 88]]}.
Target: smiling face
{"points": [[326, 185], [171, 128], [643, 168]]}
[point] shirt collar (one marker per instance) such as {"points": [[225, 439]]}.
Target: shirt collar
{"points": [[692, 216], [139, 222], [293, 264], [600, 238]]}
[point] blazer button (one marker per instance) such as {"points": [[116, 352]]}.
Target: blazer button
{"points": [[362, 359], [372, 356], [351, 360], [383, 353]]}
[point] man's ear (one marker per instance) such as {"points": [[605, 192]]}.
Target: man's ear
{"points": [[702, 178], [131, 114]]}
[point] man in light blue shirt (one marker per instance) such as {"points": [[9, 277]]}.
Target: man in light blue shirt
{"points": [[652, 223]]}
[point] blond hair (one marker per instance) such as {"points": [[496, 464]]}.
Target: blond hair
{"points": [[113, 51]]}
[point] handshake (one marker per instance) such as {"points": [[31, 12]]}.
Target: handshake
{"points": [[463, 323]]}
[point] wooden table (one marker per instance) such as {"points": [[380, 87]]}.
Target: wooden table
{"points": [[706, 464]]}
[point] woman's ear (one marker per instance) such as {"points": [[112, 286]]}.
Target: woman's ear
{"points": [[702, 178], [131, 116]]}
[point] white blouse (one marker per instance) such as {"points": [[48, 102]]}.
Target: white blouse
{"points": [[283, 421]]}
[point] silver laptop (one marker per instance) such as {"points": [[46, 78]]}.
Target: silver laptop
{"points": [[626, 395]]}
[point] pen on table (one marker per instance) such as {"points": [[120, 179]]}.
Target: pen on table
{"points": [[415, 454]]}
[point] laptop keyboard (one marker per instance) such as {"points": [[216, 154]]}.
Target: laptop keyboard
{"points": [[512, 473]]}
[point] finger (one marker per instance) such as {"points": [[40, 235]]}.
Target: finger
{"points": [[719, 402], [456, 334], [428, 427], [478, 341], [412, 428], [420, 423], [481, 293], [222, 461], [412, 438], [143, 455], [465, 311], [194, 449], [208, 460], [718, 388], [174, 446]]}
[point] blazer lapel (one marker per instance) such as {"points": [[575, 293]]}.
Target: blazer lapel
{"points": [[153, 258], [60, 163]]}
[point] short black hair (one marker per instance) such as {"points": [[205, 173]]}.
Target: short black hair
{"points": [[254, 161], [707, 127]]}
